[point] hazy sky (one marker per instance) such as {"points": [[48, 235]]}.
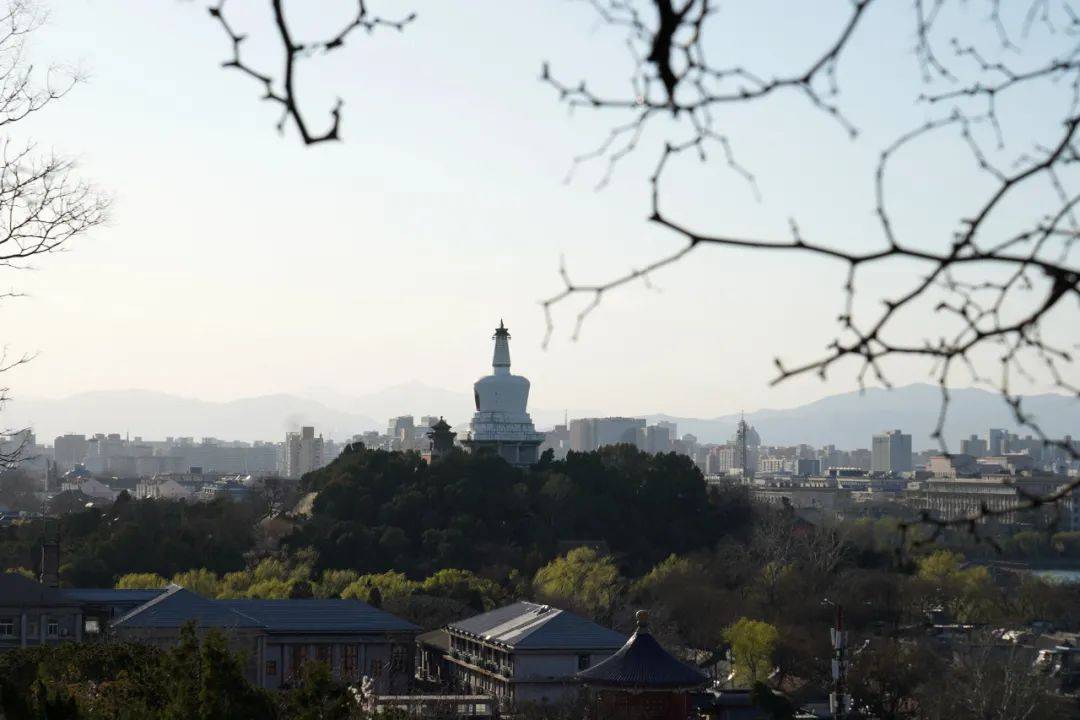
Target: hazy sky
{"points": [[238, 262]]}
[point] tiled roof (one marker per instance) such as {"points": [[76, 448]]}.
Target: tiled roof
{"points": [[436, 638], [533, 626], [319, 616], [108, 596], [176, 606], [19, 591], [642, 664]]}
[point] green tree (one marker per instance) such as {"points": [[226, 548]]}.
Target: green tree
{"points": [[333, 583], [961, 591], [1028, 544], [582, 580], [753, 643], [463, 585], [206, 682], [270, 589], [318, 696], [141, 581], [224, 692], [199, 581], [391, 585], [235, 585]]}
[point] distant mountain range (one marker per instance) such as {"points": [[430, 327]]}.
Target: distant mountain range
{"points": [[156, 415], [849, 420], [846, 420]]}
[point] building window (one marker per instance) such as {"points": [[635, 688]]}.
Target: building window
{"points": [[54, 628], [271, 668], [375, 668], [7, 627], [91, 626], [582, 662], [350, 662]]}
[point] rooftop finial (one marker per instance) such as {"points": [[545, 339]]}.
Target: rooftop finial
{"points": [[501, 360], [642, 618]]}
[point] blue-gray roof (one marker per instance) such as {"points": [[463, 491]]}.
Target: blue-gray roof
{"points": [[21, 591], [642, 664], [176, 606], [108, 596], [320, 616], [532, 626]]}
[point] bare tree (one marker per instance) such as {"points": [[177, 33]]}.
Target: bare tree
{"points": [[992, 289], [284, 91], [990, 681], [43, 205]]}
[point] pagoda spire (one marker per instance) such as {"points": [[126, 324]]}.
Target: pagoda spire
{"points": [[500, 361]]}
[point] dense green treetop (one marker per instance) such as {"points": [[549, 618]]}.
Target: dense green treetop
{"points": [[378, 511]]}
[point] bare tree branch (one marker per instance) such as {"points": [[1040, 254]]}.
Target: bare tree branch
{"points": [[293, 51]]}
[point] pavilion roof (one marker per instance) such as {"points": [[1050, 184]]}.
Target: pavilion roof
{"points": [[642, 664]]}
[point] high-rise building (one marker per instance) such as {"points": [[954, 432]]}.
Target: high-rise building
{"points": [[402, 432], [729, 459], [619, 431], [997, 441], [303, 452], [673, 429], [860, 458], [658, 438], [588, 434], [557, 440], [974, 446], [69, 451], [891, 452], [583, 435]]}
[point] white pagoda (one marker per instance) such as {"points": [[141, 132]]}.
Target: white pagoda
{"points": [[502, 424]]}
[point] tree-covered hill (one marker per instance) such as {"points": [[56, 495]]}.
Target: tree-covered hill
{"points": [[377, 510]]}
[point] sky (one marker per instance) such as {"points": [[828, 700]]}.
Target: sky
{"points": [[237, 262]]}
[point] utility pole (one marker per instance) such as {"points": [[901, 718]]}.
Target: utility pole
{"points": [[839, 700]]}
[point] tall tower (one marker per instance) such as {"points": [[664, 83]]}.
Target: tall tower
{"points": [[742, 449], [501, 423]]}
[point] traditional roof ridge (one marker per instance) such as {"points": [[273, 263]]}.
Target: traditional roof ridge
{"points": [[643, 664]]}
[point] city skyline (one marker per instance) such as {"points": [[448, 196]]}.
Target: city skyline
{"points": [[340, 416]]}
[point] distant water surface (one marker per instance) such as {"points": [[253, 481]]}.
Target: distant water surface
{"points": [[1065, 577]]}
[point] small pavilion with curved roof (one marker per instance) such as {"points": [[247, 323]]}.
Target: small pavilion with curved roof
{"points": [[642, 681]]}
